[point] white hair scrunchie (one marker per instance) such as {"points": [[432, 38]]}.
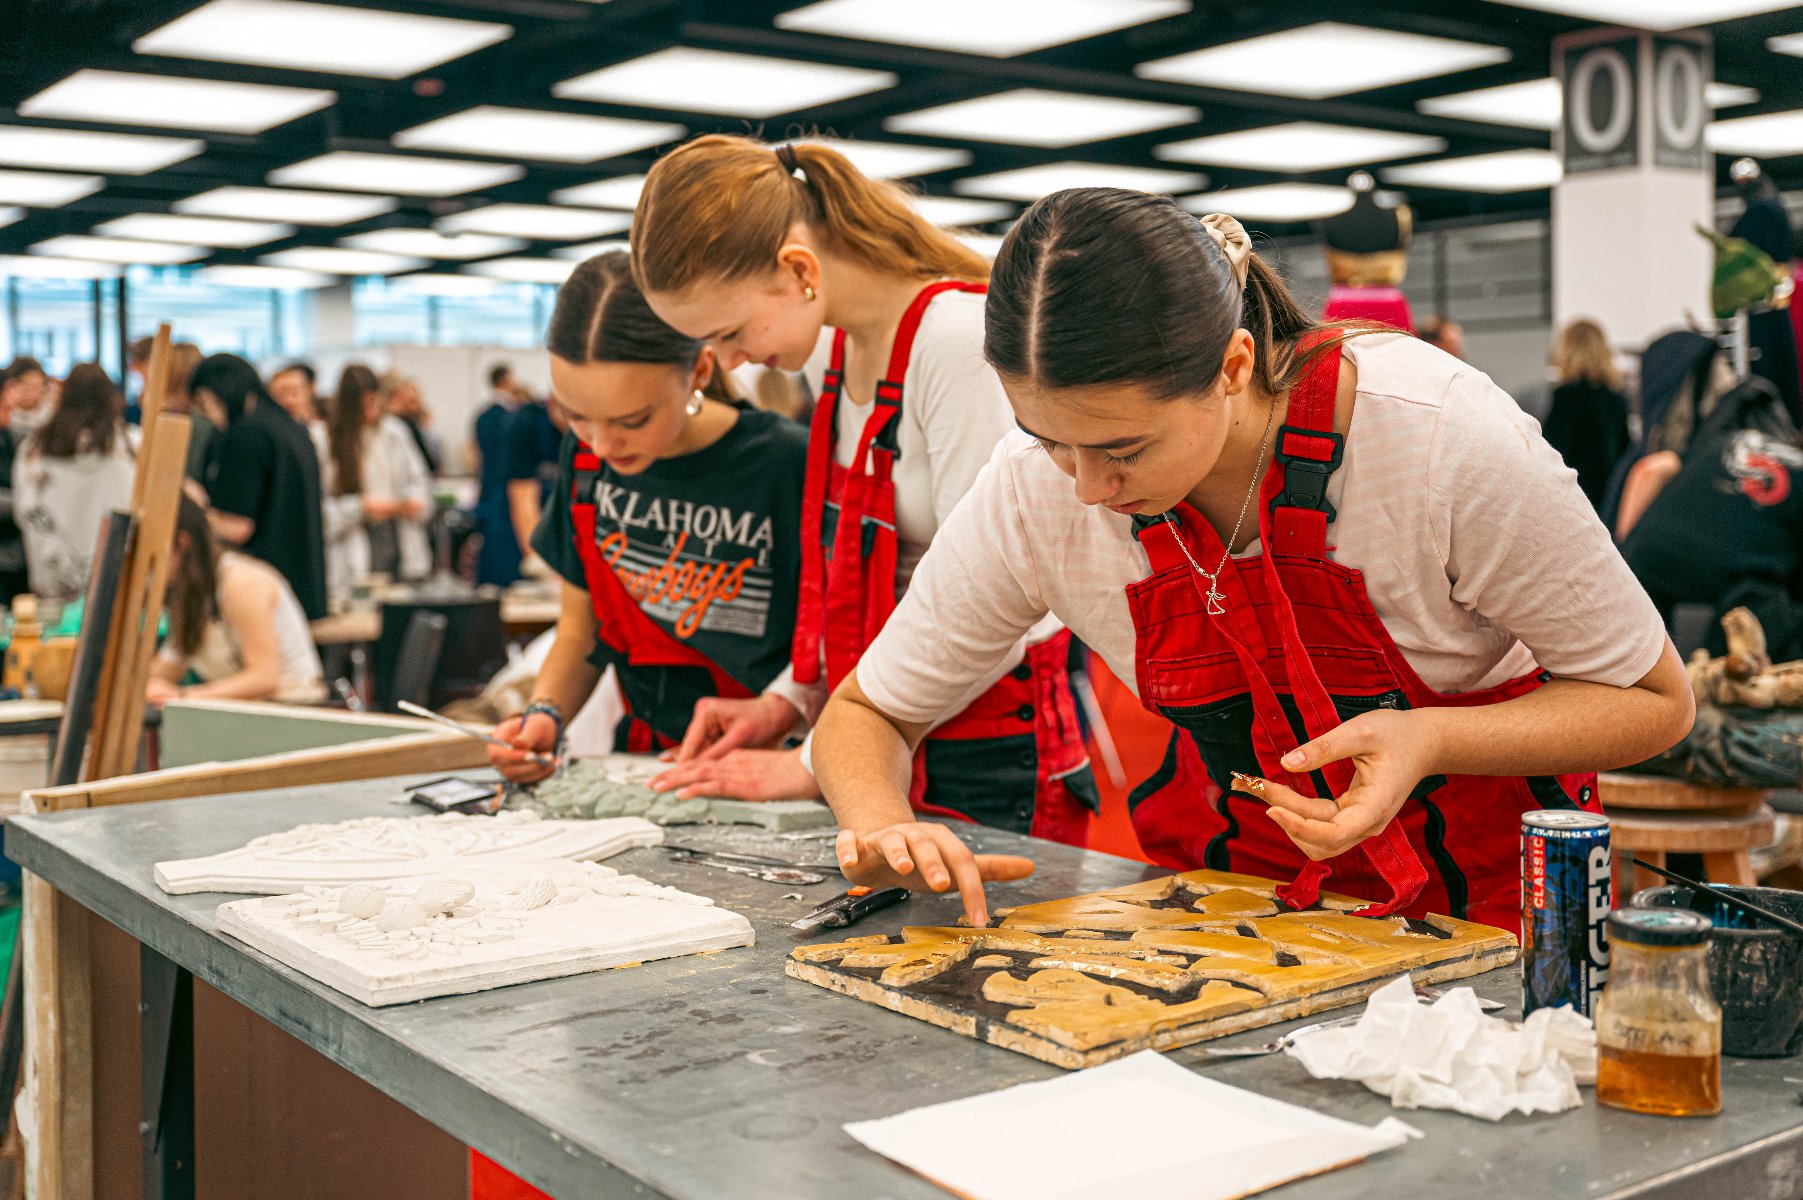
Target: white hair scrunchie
{"points": [[1231, 237]]}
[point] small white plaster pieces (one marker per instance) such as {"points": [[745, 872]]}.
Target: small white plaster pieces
{"points": [[413, 939], [376, 849]]}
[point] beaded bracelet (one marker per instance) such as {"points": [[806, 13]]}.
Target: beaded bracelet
{"points": [[550, 710]]}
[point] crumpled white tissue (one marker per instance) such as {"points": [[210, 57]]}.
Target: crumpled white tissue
{"points": [[1450, 1054]]}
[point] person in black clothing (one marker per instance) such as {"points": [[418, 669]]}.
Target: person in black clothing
{"points": [[13, 578], [263, 481], [675, 522], [1588, 421], [532, 441]]}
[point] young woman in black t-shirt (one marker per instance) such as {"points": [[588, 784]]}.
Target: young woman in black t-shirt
{"points": [[675, 523]]}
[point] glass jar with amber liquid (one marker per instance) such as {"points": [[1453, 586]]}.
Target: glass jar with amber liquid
{"points": [[1658, 1027]]}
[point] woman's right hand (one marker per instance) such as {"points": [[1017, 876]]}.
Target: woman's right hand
{"points": [[926, 856], [537, 733], [721, 726]]}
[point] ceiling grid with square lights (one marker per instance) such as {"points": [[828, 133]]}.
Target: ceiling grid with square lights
{"points": [[502, 138]]}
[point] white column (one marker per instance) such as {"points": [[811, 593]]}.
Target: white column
{"points": [[1638, 180]]}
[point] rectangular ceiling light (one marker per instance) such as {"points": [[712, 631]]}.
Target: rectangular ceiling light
{"points": [[529, 133], [987, 244], [194, 231], [81, 150], [1788, 43], [998, 28], [38, 190], [10, 215], [454, 286], [278, 279], [525, 270], [588, 250], [427, 243], [281, 204], [622, 193], [335, 260], [356, 171], [1505, 171], [537, 222], [331, 38], [126, 98], [119, 250], [18, 266], [1538, 104], [1301, 146], [1030, 183], [1277, 202], [715, 81], [892, 160], [1036, 117], [1325, 59], [1652, 14], [957, 211], [1774, 135]]}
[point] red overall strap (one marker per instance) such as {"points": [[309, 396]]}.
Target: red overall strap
{"points": [[1293, 516], [860, 578], [619, 620], [810, 601]]}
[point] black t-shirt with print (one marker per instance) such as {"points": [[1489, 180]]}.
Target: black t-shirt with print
{"points": [[710, 546]]}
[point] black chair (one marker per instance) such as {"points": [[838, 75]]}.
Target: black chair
{"points": [[422, 648], [474, 648]]}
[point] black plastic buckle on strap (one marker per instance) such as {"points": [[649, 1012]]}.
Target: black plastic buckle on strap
{"points": [[583, 489], [1305, 477], [889, 395]]}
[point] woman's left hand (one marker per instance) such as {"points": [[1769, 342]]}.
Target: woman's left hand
{"points": [[742, 775], [1389, 752]]}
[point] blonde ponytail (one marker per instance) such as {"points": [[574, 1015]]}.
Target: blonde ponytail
{"points": [[721, 206]]}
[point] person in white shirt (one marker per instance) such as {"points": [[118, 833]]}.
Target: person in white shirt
{"points": [[75, 469], [761, 250], [377, 490], [1373, 601]]}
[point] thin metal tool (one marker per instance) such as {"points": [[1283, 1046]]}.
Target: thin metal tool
{"points": [[1281, 1044], [1757, 910], [751, 860], [407, 706], [792, 876]]}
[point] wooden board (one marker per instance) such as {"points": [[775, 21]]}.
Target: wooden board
{"points": [[1154, 965]]}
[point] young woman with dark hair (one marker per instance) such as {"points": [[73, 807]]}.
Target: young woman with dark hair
{"points": [[761, 250], [263, 480], [1380, 613], [234, 626], [75, 469], [377, 488], [674, 524]]}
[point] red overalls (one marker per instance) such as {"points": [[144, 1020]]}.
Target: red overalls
{"points": [[1297, 649], [660, 677], [1015, 757]]}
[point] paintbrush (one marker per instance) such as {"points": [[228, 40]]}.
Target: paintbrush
{"points": [[1764, 914], [407, 706]]}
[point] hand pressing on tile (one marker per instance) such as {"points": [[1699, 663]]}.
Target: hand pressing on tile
{"points": [[742, 775], [923, 856]]}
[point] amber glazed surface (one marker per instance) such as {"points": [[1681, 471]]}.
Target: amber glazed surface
{"points": [[1160, 964]]}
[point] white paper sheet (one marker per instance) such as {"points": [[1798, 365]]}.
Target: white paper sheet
{"points": [[1137, 1127]]}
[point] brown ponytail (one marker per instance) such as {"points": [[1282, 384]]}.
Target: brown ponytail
{"points": [[721, 206]]}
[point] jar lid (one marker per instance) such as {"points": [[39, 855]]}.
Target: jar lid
{"points": [[1659, 926]]}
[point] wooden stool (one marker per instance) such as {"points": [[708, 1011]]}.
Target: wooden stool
{"points": [[1651, 817]]}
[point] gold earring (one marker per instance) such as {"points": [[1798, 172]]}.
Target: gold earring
{"points": [[695, 403], [808, 292]]}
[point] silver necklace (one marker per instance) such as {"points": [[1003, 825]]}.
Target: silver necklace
{"points": [[1214, 600]]}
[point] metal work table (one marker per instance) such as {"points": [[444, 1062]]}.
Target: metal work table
{"points": [[719, 1078]]}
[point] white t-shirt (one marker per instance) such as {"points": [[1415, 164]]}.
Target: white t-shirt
{"points": [[954, 411], [1479, 552]]}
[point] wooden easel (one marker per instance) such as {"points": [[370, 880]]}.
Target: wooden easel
{"points": [[54, 933]]}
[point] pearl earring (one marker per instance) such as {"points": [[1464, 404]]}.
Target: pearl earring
{"points": [[809, 293], [694, 405]]}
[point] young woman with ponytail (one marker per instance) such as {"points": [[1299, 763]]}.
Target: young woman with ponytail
{"points": [[758, 250], [1374, 603], [674, 525]]}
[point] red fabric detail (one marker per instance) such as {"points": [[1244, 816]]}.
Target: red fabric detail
{"points": [[1387, 306], [489, 1180], [620, 622], [845, 601], [1299, 625], [1300, 445]]}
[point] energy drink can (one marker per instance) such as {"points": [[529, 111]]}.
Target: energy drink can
{"points": [[1567, 890]]}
